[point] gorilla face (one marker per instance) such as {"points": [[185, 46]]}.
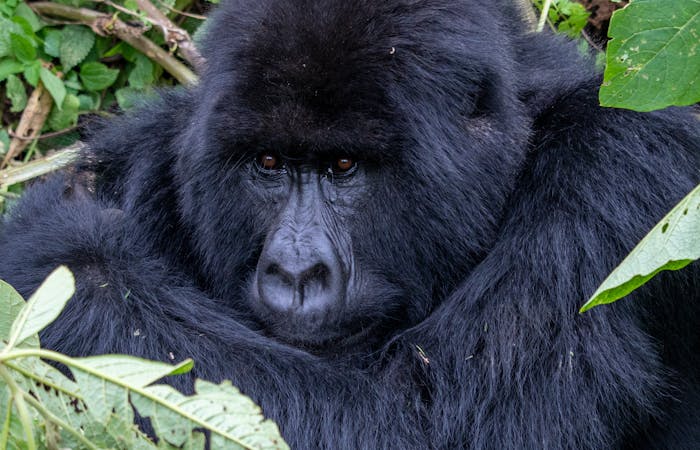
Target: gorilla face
{"points": [[333, 165]]}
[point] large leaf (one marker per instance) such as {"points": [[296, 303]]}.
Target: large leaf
{"points": [[671, 245], [76, 42], [233, 420], [54, 85], [96, 76], [8, 67], [44, 306], [11, 303], [16, 93], [67, 116], [22, 48], [653, 59]]}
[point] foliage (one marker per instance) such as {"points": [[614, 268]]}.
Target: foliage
{"points": [[653, 59], [41, 407], [671, 245], [77, 54], [565, 16]]}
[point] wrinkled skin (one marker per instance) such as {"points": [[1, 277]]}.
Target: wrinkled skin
{"points": [[379, 220]]}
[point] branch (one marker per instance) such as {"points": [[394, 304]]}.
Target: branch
{"points": [[175, 36], [105, 24], [40, 167]]}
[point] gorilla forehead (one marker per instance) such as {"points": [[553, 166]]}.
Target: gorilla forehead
{"points": [[325, 73]]}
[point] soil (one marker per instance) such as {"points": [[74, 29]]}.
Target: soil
{"points": [[601, 10]]}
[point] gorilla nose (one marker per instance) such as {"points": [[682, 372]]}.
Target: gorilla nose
{"points": [[292, 283]]}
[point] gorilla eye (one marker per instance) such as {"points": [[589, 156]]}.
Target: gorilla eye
{"points": [[269, 162], [344, 165]]}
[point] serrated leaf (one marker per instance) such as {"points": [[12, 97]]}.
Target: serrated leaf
{"points": [[128, 97], [109, 378], [96, 76], [8, 67], [22, 48], [25, 12], [653, 59], [67, 116], [52, 42], [234, 420], [24, 28], [43, 306], [141, 75], [130, 370], [54, 85], [16, 93], [671, 245], [32, 72], [76, 43]]}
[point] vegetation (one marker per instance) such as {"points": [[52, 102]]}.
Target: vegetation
{"points": [[40, 407], [64, 62]]}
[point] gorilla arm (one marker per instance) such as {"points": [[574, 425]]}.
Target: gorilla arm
{"points": [[512, 363]]}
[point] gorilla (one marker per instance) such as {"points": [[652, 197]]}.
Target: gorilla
{"points": [[379, 220]]}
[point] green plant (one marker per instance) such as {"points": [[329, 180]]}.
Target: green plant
{"points": [[40, 407]]}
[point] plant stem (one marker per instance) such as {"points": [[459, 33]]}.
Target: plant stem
{"points": [[18, 398], [543, 16], [50, 417], [105, 24]]}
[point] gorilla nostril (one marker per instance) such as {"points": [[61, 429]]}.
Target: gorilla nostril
{"points": [[319, 273], [301, 287], [282, 275]]}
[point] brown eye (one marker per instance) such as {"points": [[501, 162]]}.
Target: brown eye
{"points": [[344, 164], [268, 161]]}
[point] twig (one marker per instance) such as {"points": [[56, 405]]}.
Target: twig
{"points": [[44, 135], [175, 36], [30, 124], [182, 13], [543, 16], [105, 24], [40, 167]]}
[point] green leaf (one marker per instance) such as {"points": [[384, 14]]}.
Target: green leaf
{"points": [[32, 72], [8, 67], [25, 12], [89, 101], [233, 420], [141, 75], [43, 306], [22, 48], [24, 28], [671, 245], [4, 141], [16, 93], [128, 97], [76, 43], [67, 115], [52, 42], [11, 303], [130, 370], [653, 59], [54, 85], [96, 76]]}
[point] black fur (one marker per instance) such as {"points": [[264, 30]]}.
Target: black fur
{"points": [[498, 196]]}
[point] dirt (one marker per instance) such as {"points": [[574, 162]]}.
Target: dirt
{"points": [[598, 22]]}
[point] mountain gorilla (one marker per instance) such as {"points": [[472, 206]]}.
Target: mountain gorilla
{"points": [[379, 219]]}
